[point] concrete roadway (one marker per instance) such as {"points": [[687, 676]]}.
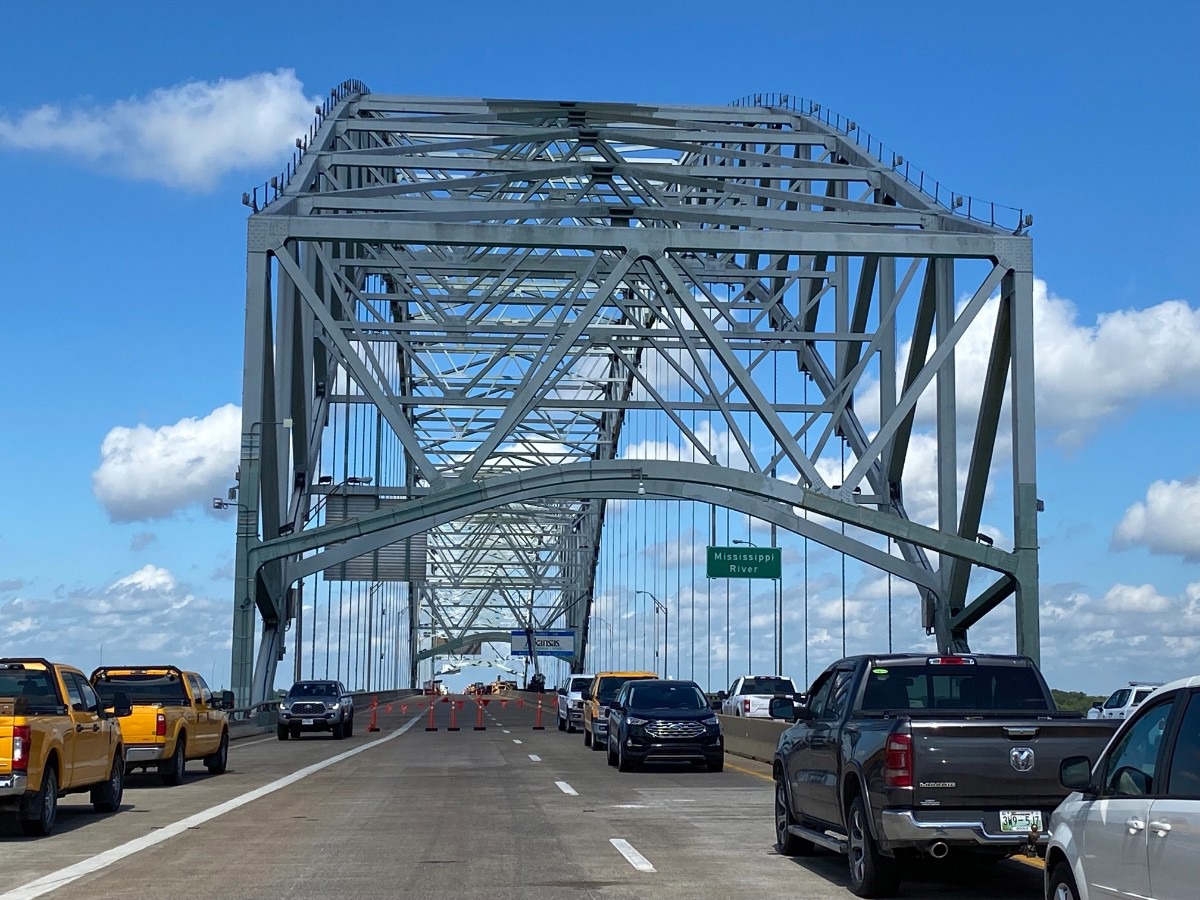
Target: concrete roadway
{"points": [[504, 813]]}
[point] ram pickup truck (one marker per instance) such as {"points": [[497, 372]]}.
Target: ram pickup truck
{"points": [[905, 758], [175, 718], [56, 737]]}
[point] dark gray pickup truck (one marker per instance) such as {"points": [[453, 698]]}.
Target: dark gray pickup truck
{"points": [[904, 756]]}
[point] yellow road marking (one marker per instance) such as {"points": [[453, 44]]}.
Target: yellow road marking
{"points": [[730, 765]]}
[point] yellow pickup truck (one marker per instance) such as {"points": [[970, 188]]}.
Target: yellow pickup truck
{"points": [[56, 737], [175, 718]]}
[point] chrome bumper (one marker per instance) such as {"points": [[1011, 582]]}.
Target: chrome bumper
{"points": [[13, 785], [902, 827], [136, 755]]}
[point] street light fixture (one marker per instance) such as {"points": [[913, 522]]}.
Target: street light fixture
{"points": [[666, 627]]}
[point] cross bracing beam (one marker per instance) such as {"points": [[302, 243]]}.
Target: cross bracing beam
{"points": [[460, 304]]}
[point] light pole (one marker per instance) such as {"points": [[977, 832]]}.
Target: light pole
{"points": [[749, 613], [666, 628], [608, 646], [778, 613]]}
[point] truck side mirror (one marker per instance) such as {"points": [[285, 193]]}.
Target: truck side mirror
{"points": [[587, 695], [122, 705], [227, 700]]}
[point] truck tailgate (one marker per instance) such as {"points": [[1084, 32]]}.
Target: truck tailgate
{"points": [[6, 736], [141, 727], [981, 763]]}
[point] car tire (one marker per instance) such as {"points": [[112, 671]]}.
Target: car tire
{"points": [[562, 725], [612, 754], [587, 738], [596, 743], [216, 763], [716, 765], [39, 810], [787, 843], [1062, 884], [350, 726], [281, 732], [106, 798], [871, 873], [339, 731], [172, 770]]}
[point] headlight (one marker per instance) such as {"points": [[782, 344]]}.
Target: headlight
{"points": [[604, 711], [284, 707], [709, 720], [634, 720]]}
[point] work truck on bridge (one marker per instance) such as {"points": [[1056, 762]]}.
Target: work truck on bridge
{"points": [[905, 756], [56, 737]]}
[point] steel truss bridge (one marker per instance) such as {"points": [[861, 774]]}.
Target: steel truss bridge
{"points": [[455, 308]]}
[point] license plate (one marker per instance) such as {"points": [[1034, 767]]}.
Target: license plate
{"points": [[306, 721], [1020, 821]]}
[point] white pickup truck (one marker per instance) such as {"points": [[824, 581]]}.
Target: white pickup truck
{"points": [[750, 695], [1123, 701]]}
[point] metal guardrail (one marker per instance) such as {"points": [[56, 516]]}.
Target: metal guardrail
{"points": [[985, 212]]}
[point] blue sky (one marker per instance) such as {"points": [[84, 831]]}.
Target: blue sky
{"points": [[129, 132]]}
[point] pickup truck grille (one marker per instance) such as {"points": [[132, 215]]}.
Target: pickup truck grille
{"points": [[675, 729], [308, 709]]}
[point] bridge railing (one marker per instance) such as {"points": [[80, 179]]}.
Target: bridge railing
{"points": [[985, 212], [273, 188]]}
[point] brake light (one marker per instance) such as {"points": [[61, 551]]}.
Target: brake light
{"points": [[950, 661], [897, 768], [20, 748], [160, 725], [746, 706]]}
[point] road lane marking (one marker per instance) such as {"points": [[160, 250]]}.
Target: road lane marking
{"points": [[65, 876], [635, 859], [515, 741], [506, 731], [535, 757], [730, 765], [252, 743], [567, 789]]}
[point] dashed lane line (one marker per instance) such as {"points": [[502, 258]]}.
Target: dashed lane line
{"points": [[567, 789], [65, 876], [634, 858], [534, 757]]}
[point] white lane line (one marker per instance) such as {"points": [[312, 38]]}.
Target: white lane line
{"points": [[65, 876], [506, 731], [515, 741], [635, 859], [567, 789], [535, 757], [252, 743]]}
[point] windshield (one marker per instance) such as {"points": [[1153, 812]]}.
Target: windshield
{"points": [[142, 688], [579, 685], [609, 687], [1117, 700], [979, 687], [667, 696], [767, 686], [314, 689]]}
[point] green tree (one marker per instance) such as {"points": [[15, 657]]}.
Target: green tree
{"points": [[1073, 701]]}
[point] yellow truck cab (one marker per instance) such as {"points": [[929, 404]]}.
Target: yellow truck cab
{"points": [[56, 737], [596, 698], [175, 718]]}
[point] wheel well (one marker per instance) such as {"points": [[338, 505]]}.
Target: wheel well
{"points": [[1054, 856], [52, 763]]}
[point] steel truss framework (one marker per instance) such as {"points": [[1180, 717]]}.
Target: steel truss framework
{"points": [[503, 283]]}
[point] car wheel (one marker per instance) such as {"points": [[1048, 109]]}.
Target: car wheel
{"points": [[281, 732], [172, 771], [716, 765], [624, 763], [587, 738], [39, 811], [562, 725], [786, 842], [350, 726], [339, 731], [612, 753], [596, 743], [106, 798], [1062, 884], [871, 873], [216, 763]]}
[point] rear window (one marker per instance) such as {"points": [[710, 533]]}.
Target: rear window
{"points": [[141, 688], [31, 685], [667, 696], [767, 686], [609, 686], [977, 687], [579, 684], [1139, 696]]}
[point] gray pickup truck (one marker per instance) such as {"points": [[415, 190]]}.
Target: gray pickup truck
{"points": [[902, 756]]}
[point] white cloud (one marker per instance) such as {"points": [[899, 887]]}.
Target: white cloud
{"points": [[1166, 522], [151, 473], [189, 135]]}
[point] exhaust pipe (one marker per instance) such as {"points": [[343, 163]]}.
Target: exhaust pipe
{"points": [[938, 850]]}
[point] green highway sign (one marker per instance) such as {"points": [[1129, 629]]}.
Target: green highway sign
{"points": [[744, 562]]}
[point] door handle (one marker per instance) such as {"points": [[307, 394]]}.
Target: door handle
{"points": [[78, 728], [1160, 828], [96, 727], [1135, 825]]}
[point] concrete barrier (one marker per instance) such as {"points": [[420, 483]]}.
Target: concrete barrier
{"points": [[265, 721], [752, 738]]}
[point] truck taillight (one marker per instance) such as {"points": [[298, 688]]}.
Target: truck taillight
{"points": [[20, 748], [746, 706], [160, 725], [897, 769]]}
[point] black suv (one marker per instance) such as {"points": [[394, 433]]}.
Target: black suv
{"points": [[659, 719], [316, 706]]}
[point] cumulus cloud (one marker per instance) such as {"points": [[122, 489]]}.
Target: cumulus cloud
{"points": [[152, 473], [189, 135], [143, 618], [1166, 522], [11, 584]]}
